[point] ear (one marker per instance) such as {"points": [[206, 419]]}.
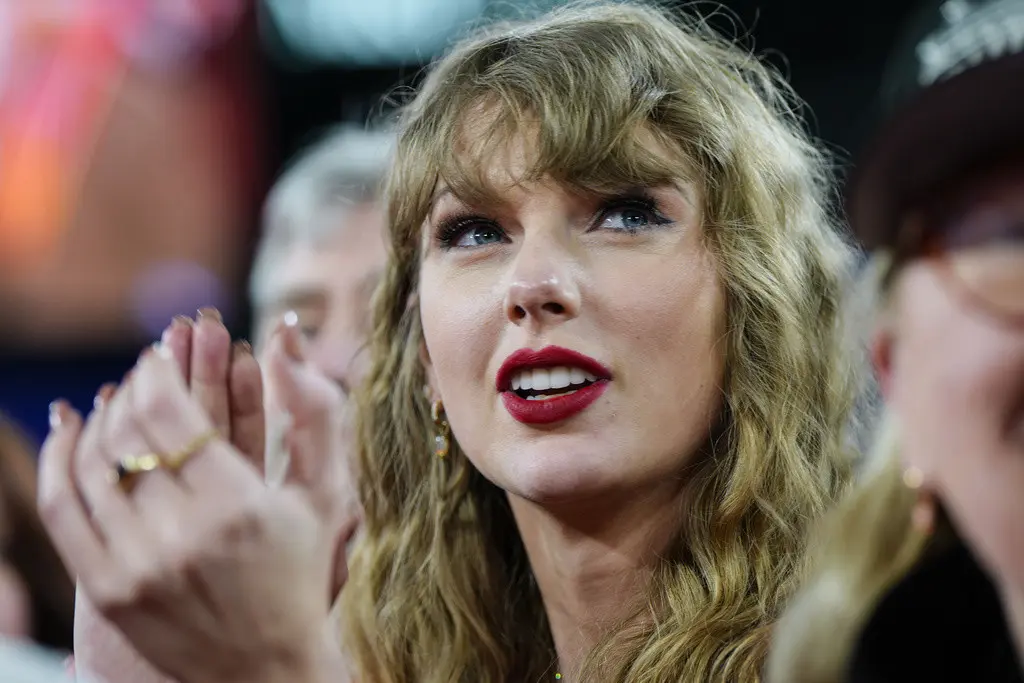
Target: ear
{"points": [[882, 358]]}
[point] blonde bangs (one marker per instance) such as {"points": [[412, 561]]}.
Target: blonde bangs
{"points": [[595, 106]]}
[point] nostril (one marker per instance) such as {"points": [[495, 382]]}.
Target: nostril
{"points": [[519, 312], [554, 307]]}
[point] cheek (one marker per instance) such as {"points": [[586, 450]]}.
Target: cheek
{"points": [[461, 326], [957, 377], [666, 326], [673, 316]]}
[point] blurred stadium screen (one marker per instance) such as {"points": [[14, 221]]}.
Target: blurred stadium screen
{"points": [[127, 161]]}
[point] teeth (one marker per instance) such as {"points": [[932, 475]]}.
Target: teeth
{"points": [[540, 379], [559, 377]]}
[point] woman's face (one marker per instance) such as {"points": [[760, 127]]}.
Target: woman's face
{"points": [[576, 340], [955, 368]]}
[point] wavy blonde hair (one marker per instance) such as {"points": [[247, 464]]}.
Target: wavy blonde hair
{"points": [[441, 589]]}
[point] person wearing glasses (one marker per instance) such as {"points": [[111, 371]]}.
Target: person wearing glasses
{"points": [[922, 575]]}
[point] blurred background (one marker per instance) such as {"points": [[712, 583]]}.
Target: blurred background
{"points": [[138, 138]]}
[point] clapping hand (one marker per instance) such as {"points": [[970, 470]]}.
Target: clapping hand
{"points": [[209, 573]]}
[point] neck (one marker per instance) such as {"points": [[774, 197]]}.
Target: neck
{"points": [[593, 561]]}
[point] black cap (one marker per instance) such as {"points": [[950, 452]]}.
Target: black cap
{"points": [[955, 95]]}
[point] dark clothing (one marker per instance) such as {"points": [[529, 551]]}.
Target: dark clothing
{"points": [[943, 622]]}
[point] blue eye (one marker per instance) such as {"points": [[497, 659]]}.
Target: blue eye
{"points": [[468, 233], [631, 215]]}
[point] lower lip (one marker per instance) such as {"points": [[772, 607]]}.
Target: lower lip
{"points": [[546, 411]]}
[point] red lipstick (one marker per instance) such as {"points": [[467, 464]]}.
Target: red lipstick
{"points": [[556, 408]]}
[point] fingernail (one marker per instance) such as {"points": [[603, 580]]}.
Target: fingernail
{"points": [[158, 348], [241, 348], [56, 414], [183, 320], [211, 313], [103, 396], [166, 336], [294, 344]]}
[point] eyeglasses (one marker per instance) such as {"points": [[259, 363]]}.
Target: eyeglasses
{"points": [[981, 250]]}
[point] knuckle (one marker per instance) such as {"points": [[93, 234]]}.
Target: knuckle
{"points": [[112, 593], [245, 522]]}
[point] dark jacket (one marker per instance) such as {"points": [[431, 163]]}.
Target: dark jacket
{"points": [[942, 622]]}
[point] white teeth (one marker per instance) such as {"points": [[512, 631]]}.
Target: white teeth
{"points": [[541, 379], [559, 377]]}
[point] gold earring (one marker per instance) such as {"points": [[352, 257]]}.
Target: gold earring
{"points": [[922, 515], [442, 442]]}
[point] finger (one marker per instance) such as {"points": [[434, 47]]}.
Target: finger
{"points": [[174, 423], [245, 388], [112, 511], [296, 402], [121, 437], [178, 338], [60, 505], [211, 361]]}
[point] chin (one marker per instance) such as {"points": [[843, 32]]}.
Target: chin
{"points": [[555, 473]]}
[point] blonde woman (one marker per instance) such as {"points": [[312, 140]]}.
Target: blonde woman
{"points": [[922, 577], [608, 392], [612, 271]]}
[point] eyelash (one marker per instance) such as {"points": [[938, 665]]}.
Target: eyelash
{"points": [[450, 230]]}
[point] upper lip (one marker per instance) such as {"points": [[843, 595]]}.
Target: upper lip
{"points": [[548, 357]]}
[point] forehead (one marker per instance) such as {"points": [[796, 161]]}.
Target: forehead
{"points": [[336, 264]]}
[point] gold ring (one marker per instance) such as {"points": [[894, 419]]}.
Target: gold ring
{"points": [[128, 468], [177, 460]]}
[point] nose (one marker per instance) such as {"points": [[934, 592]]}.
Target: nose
{"points": [[543, 289]]}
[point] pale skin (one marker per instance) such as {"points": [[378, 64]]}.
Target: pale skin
{"points": [[137, 554], [596, 496], [954, 375], [324, 290]]}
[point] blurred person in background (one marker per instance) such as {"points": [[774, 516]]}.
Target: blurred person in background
{"points": [[921, 574], [319, 259], [36, 594], [322, 254], [602, 178]]}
